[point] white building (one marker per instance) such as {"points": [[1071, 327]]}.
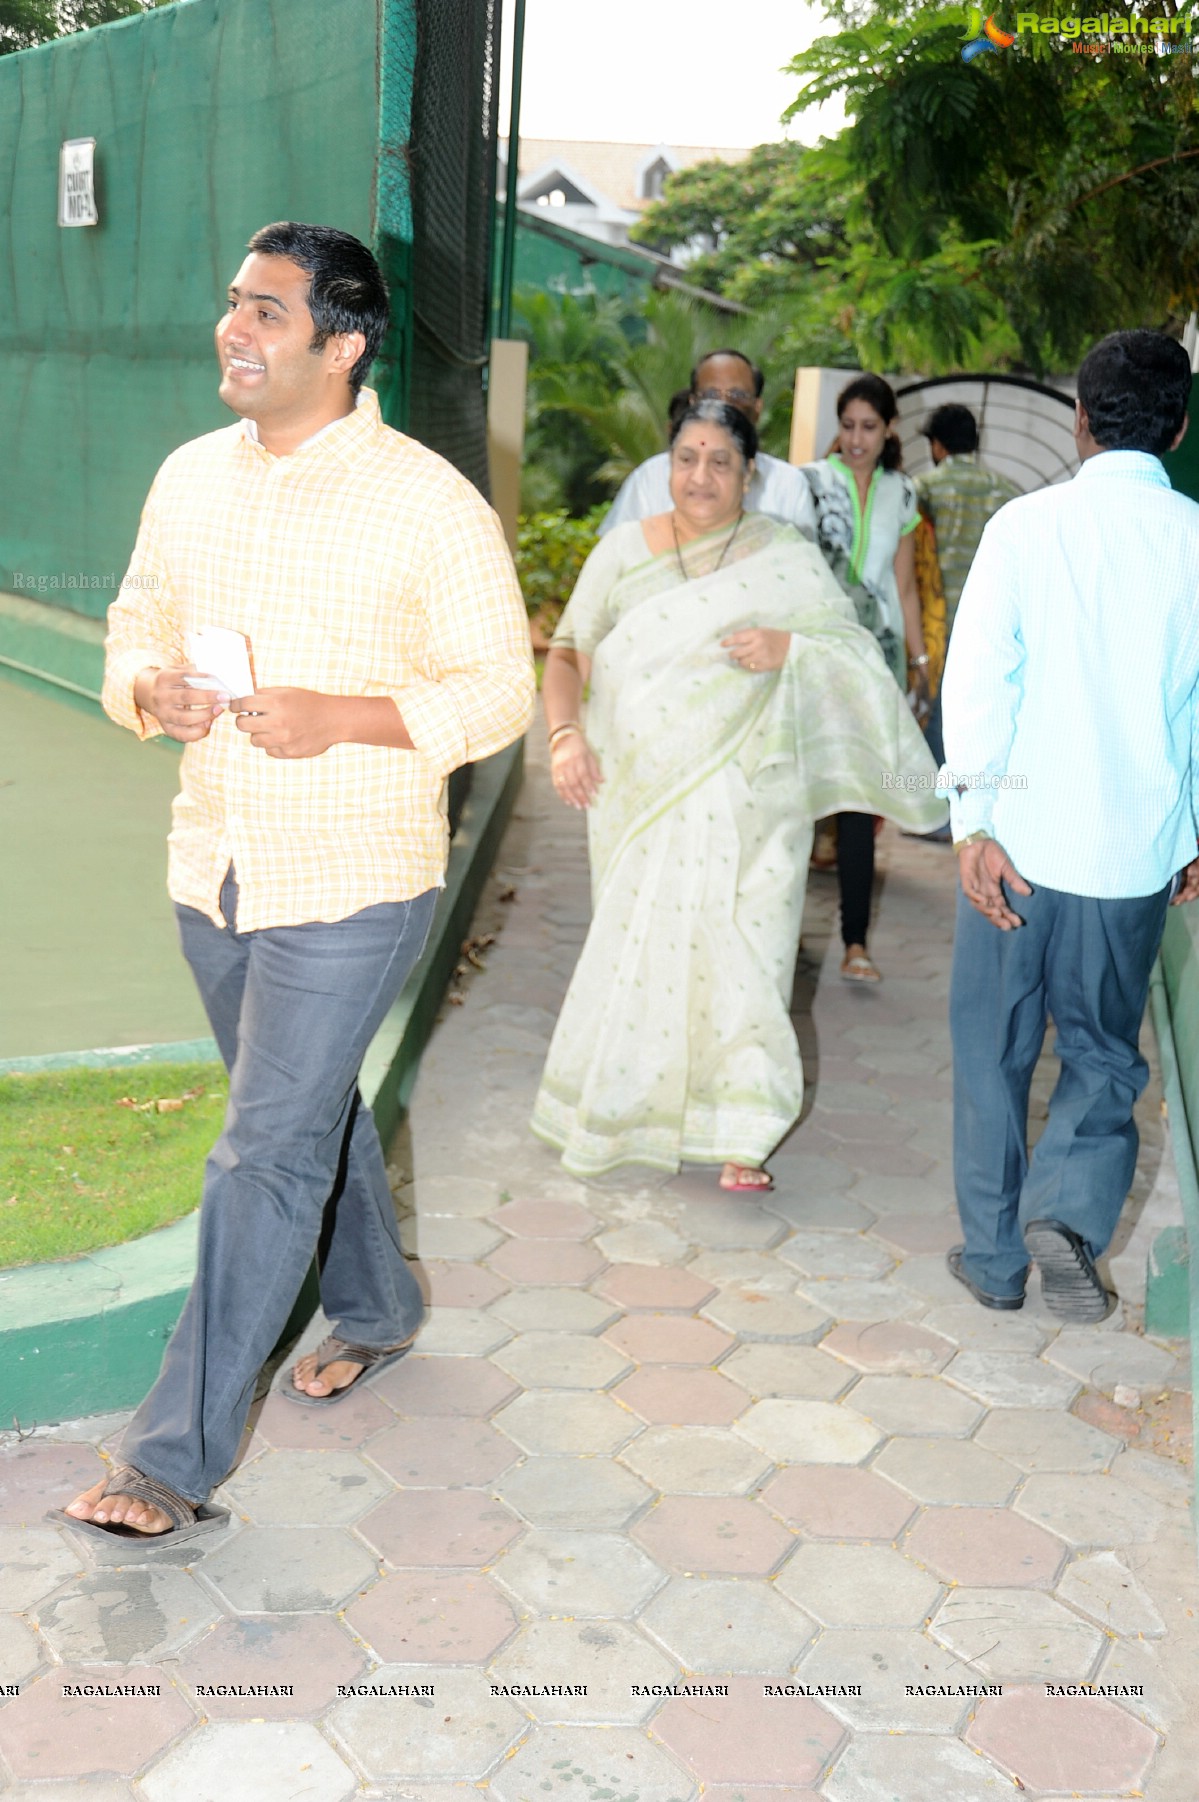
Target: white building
{"points": [[600, 189]]}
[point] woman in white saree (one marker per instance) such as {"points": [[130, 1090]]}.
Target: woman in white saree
{"points": [[733, 700]]}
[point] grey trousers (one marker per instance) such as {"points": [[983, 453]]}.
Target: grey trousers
{"points": [[298, 1163], [1087, 962]]}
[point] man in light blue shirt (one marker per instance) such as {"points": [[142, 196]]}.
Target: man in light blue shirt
{"points": [[777, 488], [1071, 710]]}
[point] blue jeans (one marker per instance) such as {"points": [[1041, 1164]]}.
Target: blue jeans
{"points": [[1087, 963], [293, 1010]]}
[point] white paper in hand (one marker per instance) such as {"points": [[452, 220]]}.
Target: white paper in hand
{"points": [[223, 657]]}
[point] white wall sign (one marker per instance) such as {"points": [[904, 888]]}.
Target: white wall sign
{"points": [[76, 183]]}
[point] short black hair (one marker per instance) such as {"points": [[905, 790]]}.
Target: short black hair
{"points": [[346, 291], [1135, 387], [954, 426], [759, 378], [719, 412], [680, 400]]}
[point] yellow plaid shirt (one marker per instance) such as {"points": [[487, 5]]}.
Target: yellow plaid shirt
{"points": [[361, 564]]}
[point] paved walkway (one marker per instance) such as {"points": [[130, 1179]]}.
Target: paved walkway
{"points": [[679, 1493]]}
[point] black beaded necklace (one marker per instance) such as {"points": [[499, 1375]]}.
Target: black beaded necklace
{"points": [[678, 549]]}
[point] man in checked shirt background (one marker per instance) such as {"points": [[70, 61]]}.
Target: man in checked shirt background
{"points": [[390, 645]]}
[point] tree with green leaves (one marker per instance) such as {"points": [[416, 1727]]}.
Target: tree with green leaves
{"points": [[999, 213], [24, 23]]}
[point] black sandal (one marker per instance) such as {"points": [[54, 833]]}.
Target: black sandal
{"points": [[188, 1520], [331, 1351]]}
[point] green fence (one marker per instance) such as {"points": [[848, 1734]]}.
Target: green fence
{"points": [[212, 117]]}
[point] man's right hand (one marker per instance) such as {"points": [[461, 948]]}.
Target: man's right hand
{"points": [[984, 866], [182, 712]]}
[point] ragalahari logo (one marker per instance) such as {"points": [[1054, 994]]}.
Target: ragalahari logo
{"points": [[985, 36]]}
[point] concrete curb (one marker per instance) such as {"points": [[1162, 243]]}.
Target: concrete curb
{"points": [[85, 1336]]}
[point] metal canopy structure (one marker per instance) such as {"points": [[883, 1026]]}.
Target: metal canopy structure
{"points": [[1026, 428]]}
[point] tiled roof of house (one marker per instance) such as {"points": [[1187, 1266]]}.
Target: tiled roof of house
{"points": [[613, 168]]}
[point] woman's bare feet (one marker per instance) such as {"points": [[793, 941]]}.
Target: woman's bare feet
{"points": [[334, 1376], [745, 1176], [117, 1510]]}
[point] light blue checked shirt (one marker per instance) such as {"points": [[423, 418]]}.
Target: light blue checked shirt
{"points": [[1071, 690]]}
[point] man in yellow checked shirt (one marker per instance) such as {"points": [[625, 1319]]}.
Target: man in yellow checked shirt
{"points": [[390, 645]]}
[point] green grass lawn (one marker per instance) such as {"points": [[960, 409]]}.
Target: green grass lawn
{"points": [[80, 1167]]}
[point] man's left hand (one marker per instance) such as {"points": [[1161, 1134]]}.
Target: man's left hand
{"points": [[1188, 888], [288, 722]]}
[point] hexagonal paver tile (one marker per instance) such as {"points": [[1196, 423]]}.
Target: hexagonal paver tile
{"points": [[986, 1548], [1095, 1511], [802, 1432], [643, 1286], [537, 1263], [553, 1311], [845, 1298], [289, 1570], [466, 1386], [561, 1361], [836, 1502], [670, 1394], [764, 1314], [919, 1232], [1017, 1635], [545, 1220], [696, 1461], [858, 1586], [744, 1270], [889, 1347], [270, 1761], [284, 1489], [726, 1535], [717, 1625], [746, 1737], [642, 1242], [1034, 1439], [446, 1236], [595, 1494], [883, 1665], [46, 1732], [875, 1766], [668, 1339], [579, 1574], [21, 1653], [1104, 1587], [36, 1474], [445, 1617], [455, 1527], [565, 1762], [1083, 1743], [801, 1371], [431, 1453], [906, 1404], [278, 1667], [454, 1285], [456, 1728], [558, 1422], [1104, 1359], [356, 1418], [125, 1616], [1012, 1380], [613, 1668], [948, 1470], [462, 1332], [694, 1207], [985, 1330], [837, 1254], [455, 1195], [34, 1561]]}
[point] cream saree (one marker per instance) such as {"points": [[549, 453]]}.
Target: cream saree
{"points": [[675, 1041]]}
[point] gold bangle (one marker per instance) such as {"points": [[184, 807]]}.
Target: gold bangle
{"points": [[563, 730], [971, 838]]}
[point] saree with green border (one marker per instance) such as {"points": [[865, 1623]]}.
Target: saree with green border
{"points": [[675, 1041]]}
